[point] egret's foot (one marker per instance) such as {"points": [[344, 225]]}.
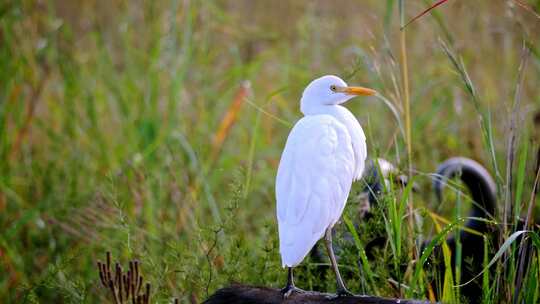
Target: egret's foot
{"points": [[289, 290], [340, 294], [344, 293]]}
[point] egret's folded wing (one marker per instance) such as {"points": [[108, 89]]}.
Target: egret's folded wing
{"points": [[313, 181], [358, 140], [362, 153]]}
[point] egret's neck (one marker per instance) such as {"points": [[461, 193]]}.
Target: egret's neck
{"points": [[319, 109], [308, 108], [340, 113]]}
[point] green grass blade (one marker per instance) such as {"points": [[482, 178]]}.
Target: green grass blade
{"points": [[486, 290], [361, 252], [506, 245], [520, 179], [437, 239]]}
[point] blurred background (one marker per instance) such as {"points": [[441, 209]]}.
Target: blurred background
{"points": [[153, 129]]}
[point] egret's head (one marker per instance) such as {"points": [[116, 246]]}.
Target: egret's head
{"points": [[330, 90]]}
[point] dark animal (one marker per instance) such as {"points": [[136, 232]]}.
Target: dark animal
{"points": [[483, 191]]}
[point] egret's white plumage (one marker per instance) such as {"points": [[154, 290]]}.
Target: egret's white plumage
{"points": [[325, 152], [313, 182]]}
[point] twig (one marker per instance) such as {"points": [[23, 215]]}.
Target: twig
{"points": [[208, 259], [423, 13]]}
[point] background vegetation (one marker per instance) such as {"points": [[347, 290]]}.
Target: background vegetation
{"points": [[153, 129]]}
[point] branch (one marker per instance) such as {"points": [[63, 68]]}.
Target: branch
{"points": [[243, 294]]}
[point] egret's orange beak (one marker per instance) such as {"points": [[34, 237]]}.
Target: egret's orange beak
{"points": [[356, 91]]}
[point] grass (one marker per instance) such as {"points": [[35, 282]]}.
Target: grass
{"points": [[407, 109], [131, 128]]}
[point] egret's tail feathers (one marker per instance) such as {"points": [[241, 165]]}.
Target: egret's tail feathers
{"points": [[294, 246], [290, 256]]}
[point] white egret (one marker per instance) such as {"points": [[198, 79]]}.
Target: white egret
{"points": [[324, 154]]}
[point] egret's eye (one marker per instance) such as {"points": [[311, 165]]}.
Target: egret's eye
{"points": [[333, 88]]}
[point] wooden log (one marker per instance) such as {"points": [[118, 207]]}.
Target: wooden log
{"points": [[243, 294]]}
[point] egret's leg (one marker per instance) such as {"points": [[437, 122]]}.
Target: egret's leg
{"points": [[290, 288], [341, 290]]}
